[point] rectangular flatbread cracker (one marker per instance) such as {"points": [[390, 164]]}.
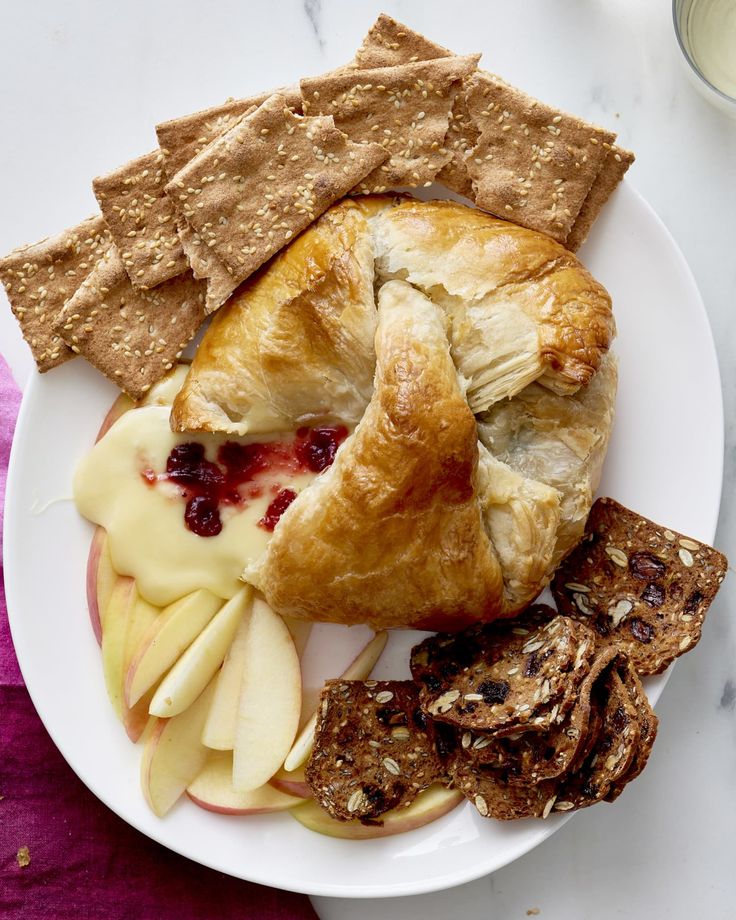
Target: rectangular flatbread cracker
{"points": [[142, 220], [132, 336], [612, 172], [41, 277], [533, 164], [266, 179], [405, 108]]}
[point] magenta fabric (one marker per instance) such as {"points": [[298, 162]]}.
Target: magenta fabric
{"points": [[84, 861]]}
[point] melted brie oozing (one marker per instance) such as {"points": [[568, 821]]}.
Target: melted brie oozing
{"points": [[145, 523]]}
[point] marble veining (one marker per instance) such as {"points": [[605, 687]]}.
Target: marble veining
{"points": [[665, 849]]}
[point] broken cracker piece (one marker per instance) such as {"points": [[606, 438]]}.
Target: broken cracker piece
{"points": [[506, 676], [142, 220], [643, 588], [533, 164], [611, 173], [374, 750], [132, 336], [405, 108], [23, 857], [389, 42], [181, 139], [267, 178], [41, 277]]}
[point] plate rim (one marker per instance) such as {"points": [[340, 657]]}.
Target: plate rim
{"points": [[436, 883]]}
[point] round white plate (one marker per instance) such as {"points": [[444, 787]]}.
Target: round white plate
{"points": [[665, 461]]}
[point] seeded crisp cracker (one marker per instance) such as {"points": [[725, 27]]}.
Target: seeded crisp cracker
{"points": [[41, 277], [533, 757], [506, 676], [405, 108], [133, 336], [533, 164], [265, 180], [373, 749], [643, 588], [181, 139], [142, 220], [612, 172], [389, 43]]}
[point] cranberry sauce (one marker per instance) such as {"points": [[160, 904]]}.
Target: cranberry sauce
{"points": [[207, 485]]}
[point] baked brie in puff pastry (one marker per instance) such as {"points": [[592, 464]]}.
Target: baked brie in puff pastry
{"points": [[471, 355]]}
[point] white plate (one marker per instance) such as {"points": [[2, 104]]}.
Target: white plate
{"points": [[665, 461]]}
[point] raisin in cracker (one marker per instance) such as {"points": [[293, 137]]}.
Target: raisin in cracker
{"points": [[133, 336], [374, 750], [41, 277], [261, 183], [534, 757], [533, 164], [643, 588], [142, 220], [506, 676], [405, 108]]}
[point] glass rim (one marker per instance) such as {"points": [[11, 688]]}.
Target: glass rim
{"points": [[676, 9]]}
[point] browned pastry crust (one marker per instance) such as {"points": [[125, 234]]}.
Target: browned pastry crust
{"points": [[392, 533]]}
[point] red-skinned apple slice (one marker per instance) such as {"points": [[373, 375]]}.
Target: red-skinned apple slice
{"points": [[428, 806], [292, 783], [359, 669], [121, 405], [202, 660], [100, 579], [142, 616], [270, 700], [174, 755], [213, 790], [174, 631], [117, 617], [219, 730]]}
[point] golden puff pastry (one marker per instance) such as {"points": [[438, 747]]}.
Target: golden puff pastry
{"points": [[560, 441], [392, 534], [295, 345]]}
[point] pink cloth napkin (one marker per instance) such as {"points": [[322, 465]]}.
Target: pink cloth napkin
{"points": [[84, 861]]}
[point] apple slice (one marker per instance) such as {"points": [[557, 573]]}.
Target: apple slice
{"points": [[270, 700], [359, 669], [174, 754], [175, 629], [142, 616], [292, 783], [100, 579], [121, 405], [202, 660], [428, 806], [219, 730], [117, 617], [213, 790]]}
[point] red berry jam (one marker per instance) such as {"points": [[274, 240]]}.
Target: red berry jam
{"points": [[277, 507], [207, 485]]}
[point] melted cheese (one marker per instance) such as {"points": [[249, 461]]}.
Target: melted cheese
{"points": [[145, 523]]}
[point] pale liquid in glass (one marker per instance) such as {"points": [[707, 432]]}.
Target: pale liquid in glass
{"points": [[709, 29]]}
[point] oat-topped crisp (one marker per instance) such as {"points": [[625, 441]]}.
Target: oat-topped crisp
{"points": [[505, 676], [374, 749], [643, 588]]}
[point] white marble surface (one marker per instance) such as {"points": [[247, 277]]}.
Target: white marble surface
{"points": [[83, 84]]}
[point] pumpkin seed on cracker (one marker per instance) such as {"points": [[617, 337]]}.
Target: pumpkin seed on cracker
{"points": [[374, 749], [41, 277], [506, 676], [643, 588]]}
